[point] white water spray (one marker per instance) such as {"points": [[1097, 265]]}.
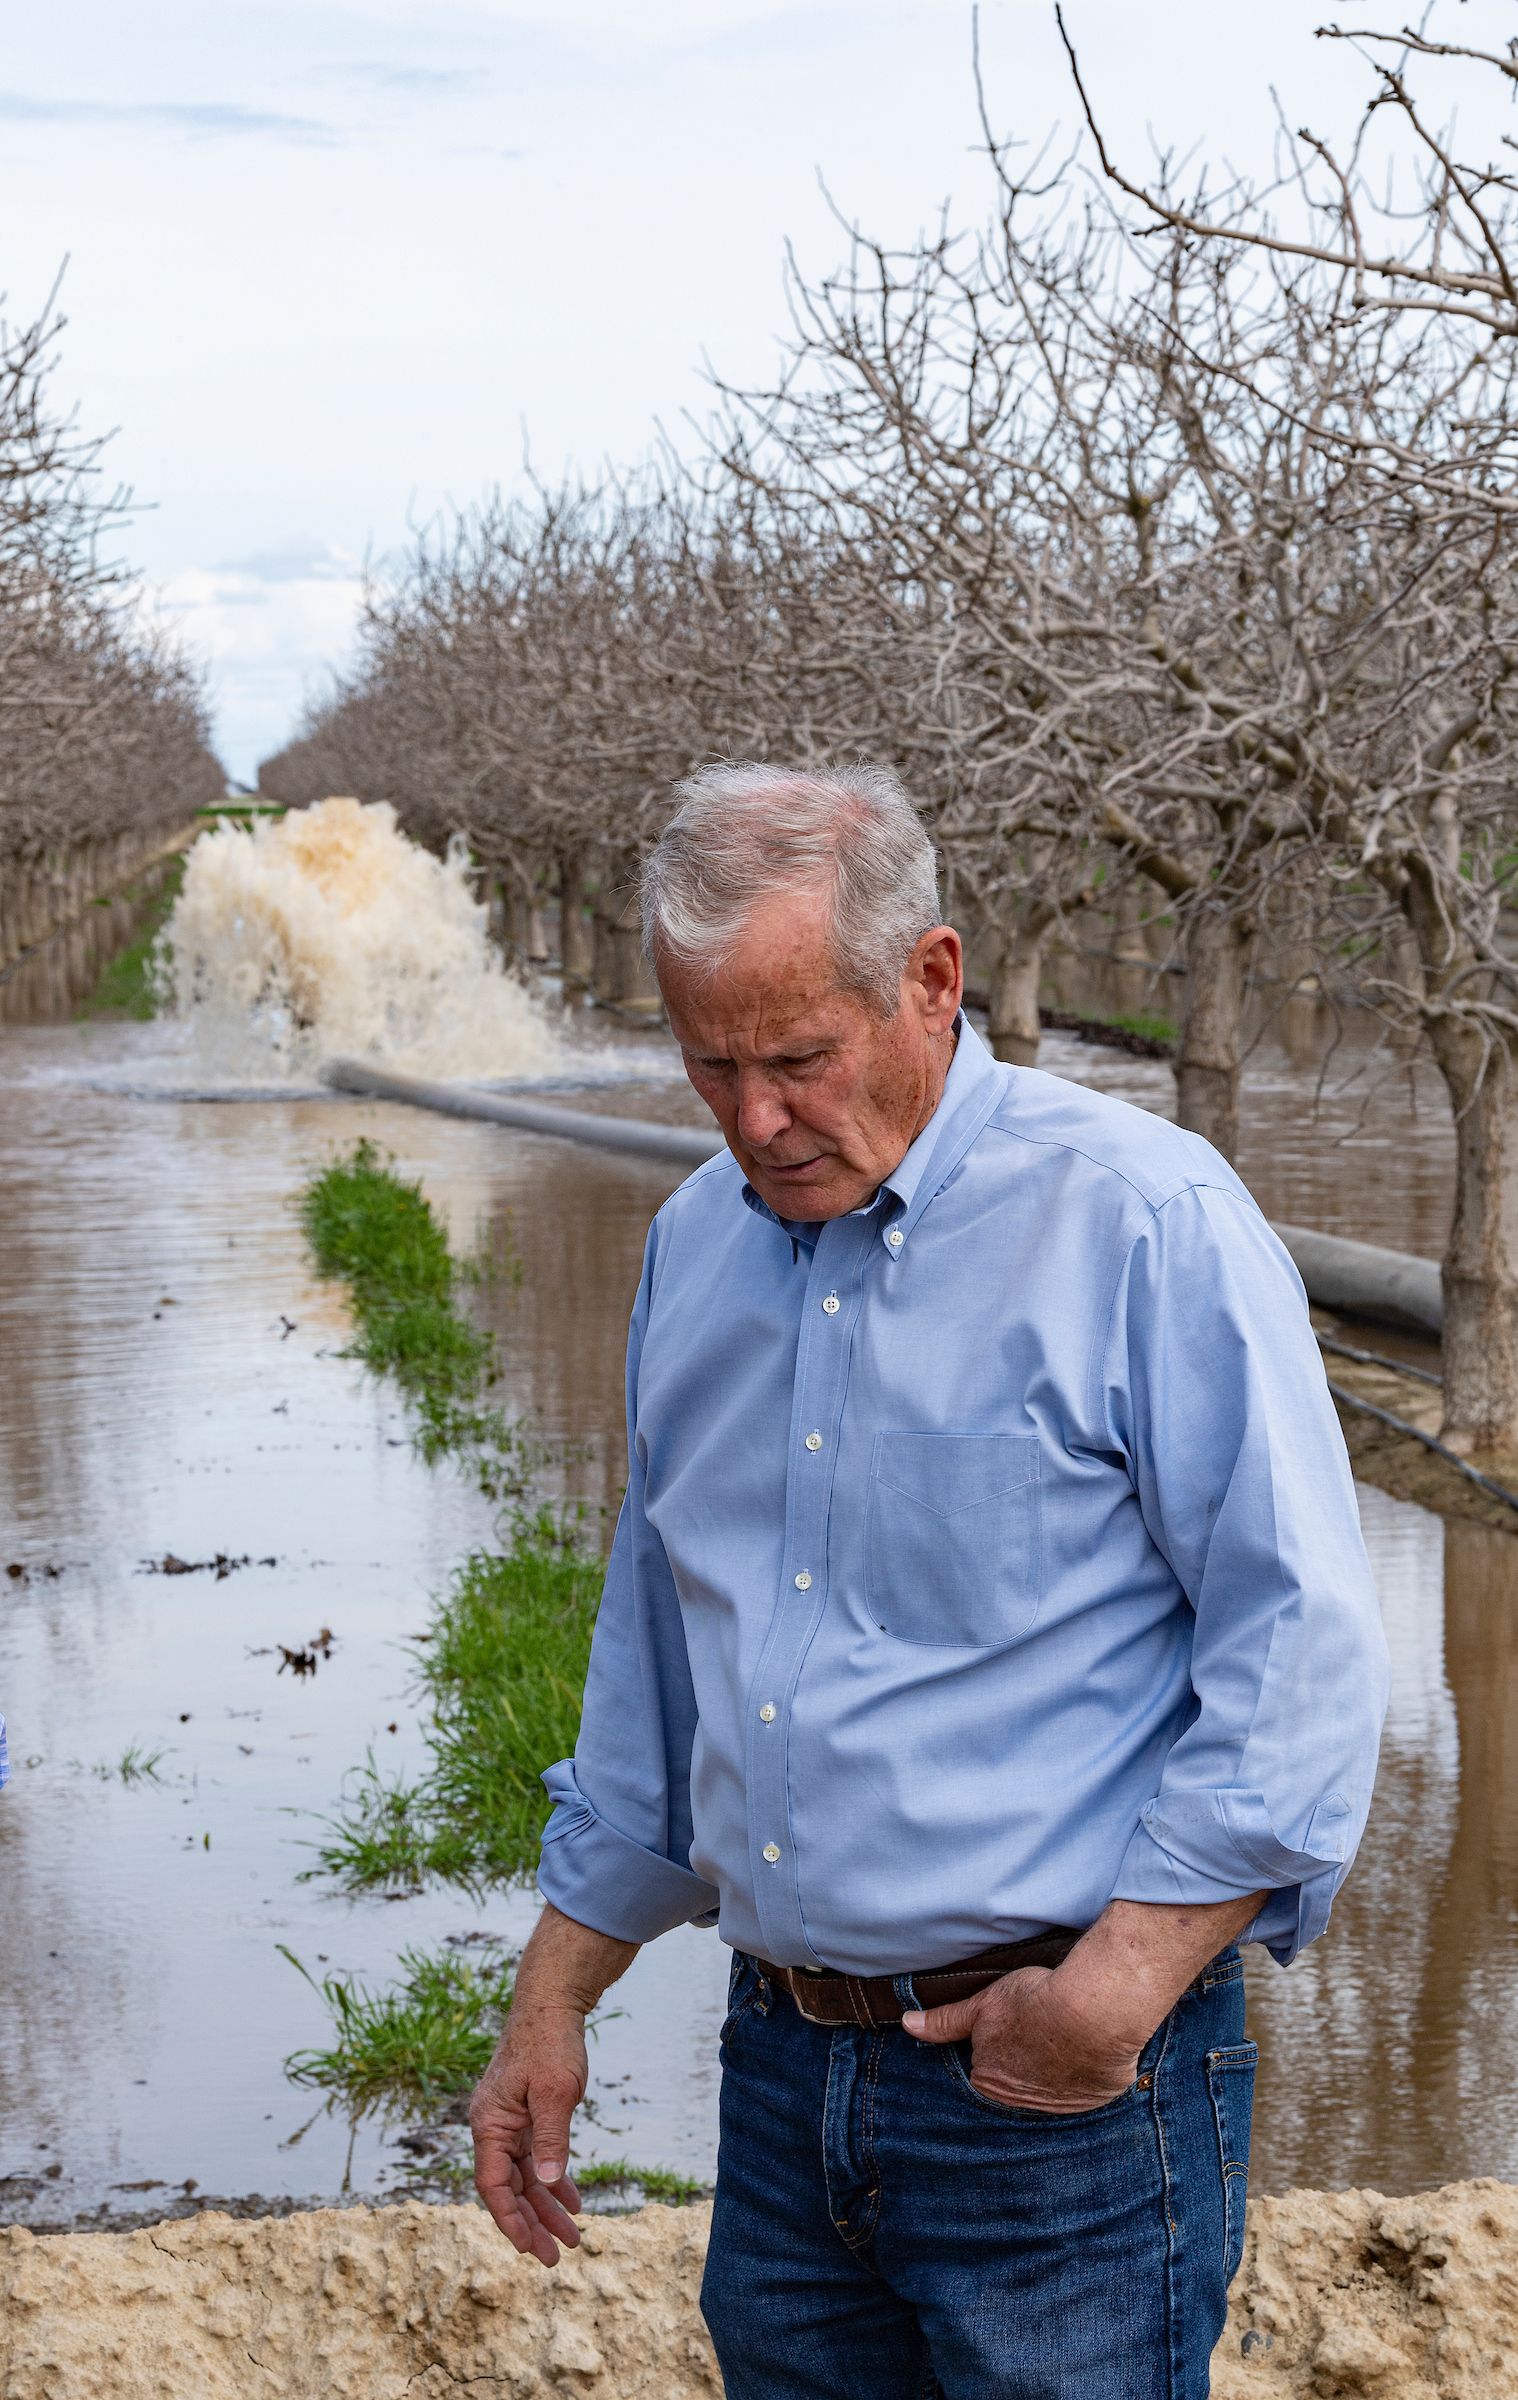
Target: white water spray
{"points": [[325, 932]]}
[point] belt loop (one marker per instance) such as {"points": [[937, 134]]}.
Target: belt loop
{"points": [[906, 1991]]}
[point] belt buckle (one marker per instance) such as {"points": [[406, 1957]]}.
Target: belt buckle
{"points": [[796, 1977]]}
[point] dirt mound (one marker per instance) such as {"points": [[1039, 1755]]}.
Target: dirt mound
{"points": [[1340, 2294], [1343, 2293]]}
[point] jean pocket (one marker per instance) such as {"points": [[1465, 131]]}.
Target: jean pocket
{"points": [[1230, 2080], [957, 2057], [746, 1989], [952, 1538]]}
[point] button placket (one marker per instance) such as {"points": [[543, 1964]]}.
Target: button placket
{"points": [[821, 1363]]}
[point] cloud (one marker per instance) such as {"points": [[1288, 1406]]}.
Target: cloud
{"points": [[194, 117], [295, 561], [385, 75], [267, 640]]}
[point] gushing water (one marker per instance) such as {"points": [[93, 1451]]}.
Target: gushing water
{"points": [[327, 932]]}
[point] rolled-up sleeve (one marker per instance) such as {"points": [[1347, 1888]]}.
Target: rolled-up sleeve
{"points": [[1215, 1392], [616, 1851]]}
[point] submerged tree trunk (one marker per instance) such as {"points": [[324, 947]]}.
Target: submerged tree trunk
{"points": [[621, 975], [1480, 1264], [1480, 1071], [574, 928], [1208, 1062], [1016, 966]]}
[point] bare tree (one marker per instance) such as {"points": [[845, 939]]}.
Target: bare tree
{"points": [[103, 740]]}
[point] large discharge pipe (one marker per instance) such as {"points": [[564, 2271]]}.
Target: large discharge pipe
{"points": [[1391, 1286], [678, 1145]]}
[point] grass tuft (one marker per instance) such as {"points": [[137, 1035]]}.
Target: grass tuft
{"points": [[640, 2183], [502, 1665], [1150, 1029], [371, 1229], [421, 2040], [137, 1764]]}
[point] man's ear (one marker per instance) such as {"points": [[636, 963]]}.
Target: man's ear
{"points": [[937, 968]]}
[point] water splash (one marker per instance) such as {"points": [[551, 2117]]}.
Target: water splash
{"points": [[327, 932]]}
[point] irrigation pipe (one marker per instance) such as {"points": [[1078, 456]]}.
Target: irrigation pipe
{"points": [[1338, 1273], [1378, 1358], [1368, 1408], [1356, 1276], [1366, 1281], [1408, 1286], [677, 1145]]}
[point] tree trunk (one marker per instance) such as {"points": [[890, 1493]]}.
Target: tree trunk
{"points": [[1015, 970], [622, 976], [514, 918], [574, 930], [1207, 1065], [1480, 1265]]}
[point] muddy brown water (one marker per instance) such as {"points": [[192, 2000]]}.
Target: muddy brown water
{"points": [[173, 1383]]}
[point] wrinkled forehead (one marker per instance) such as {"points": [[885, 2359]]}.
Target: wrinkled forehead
{"points": [[776, 989]]}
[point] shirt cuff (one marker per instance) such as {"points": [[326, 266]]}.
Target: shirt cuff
{"points": [[603, 1879], [1200, 1847]]}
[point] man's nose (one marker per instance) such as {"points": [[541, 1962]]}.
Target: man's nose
{"points": [[761, 1112]]}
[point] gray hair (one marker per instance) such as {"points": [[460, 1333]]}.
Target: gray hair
{"points": [[741, 831]]}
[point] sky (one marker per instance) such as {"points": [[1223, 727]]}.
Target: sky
{"points": [[333, 267]]}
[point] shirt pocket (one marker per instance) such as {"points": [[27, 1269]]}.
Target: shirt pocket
{"points": [[952, 1538]]}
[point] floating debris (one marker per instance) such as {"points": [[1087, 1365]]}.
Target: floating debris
{"points": [[221, 1566], [305, 1659]]}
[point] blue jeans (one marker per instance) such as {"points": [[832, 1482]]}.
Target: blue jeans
{"points": [[883, 2232]]}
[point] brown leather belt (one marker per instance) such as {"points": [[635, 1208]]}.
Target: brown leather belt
{"points": [[827, 1998]]}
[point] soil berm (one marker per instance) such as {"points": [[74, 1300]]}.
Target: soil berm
{"points": [[1339, 2294]]}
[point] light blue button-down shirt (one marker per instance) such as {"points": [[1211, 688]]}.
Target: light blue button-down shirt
{"points": [[987, 1554]]}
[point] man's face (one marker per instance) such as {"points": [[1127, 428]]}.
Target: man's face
{"points": [[819, 1096]]}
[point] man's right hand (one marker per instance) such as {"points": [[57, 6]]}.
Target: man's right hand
{"points": [[521, 2110], [519, 2117]]}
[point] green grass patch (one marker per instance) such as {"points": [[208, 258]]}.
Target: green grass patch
{"points": [[1150, 1029], [138, 1763], [501, 1668], [619, 2175], [423, 2039], [133, 982], [371, 1229]]}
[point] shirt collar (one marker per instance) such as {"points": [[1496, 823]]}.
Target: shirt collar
{"points": [[973, 1086]]}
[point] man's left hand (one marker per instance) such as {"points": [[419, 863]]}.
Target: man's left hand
{"points": [[1067, 2038], [1033, 2045]]}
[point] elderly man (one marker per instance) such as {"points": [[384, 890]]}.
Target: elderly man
{"points": [[987, 1649]]}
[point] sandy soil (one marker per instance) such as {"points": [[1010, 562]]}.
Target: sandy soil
{"points": [[1340, 2294]]}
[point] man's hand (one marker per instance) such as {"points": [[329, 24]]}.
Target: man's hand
{"points": [[521, 2111], [1068, 2038], [519, 2117], [1033, 2045]]}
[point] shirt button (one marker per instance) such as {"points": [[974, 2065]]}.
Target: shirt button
{"points": [[814, 1441], [771, 1854], [831, 1305], [896, 1237], [803, 1581], [767, 1713]]}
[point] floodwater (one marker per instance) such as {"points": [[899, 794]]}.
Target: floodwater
{"points": [[173, 1385]]}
